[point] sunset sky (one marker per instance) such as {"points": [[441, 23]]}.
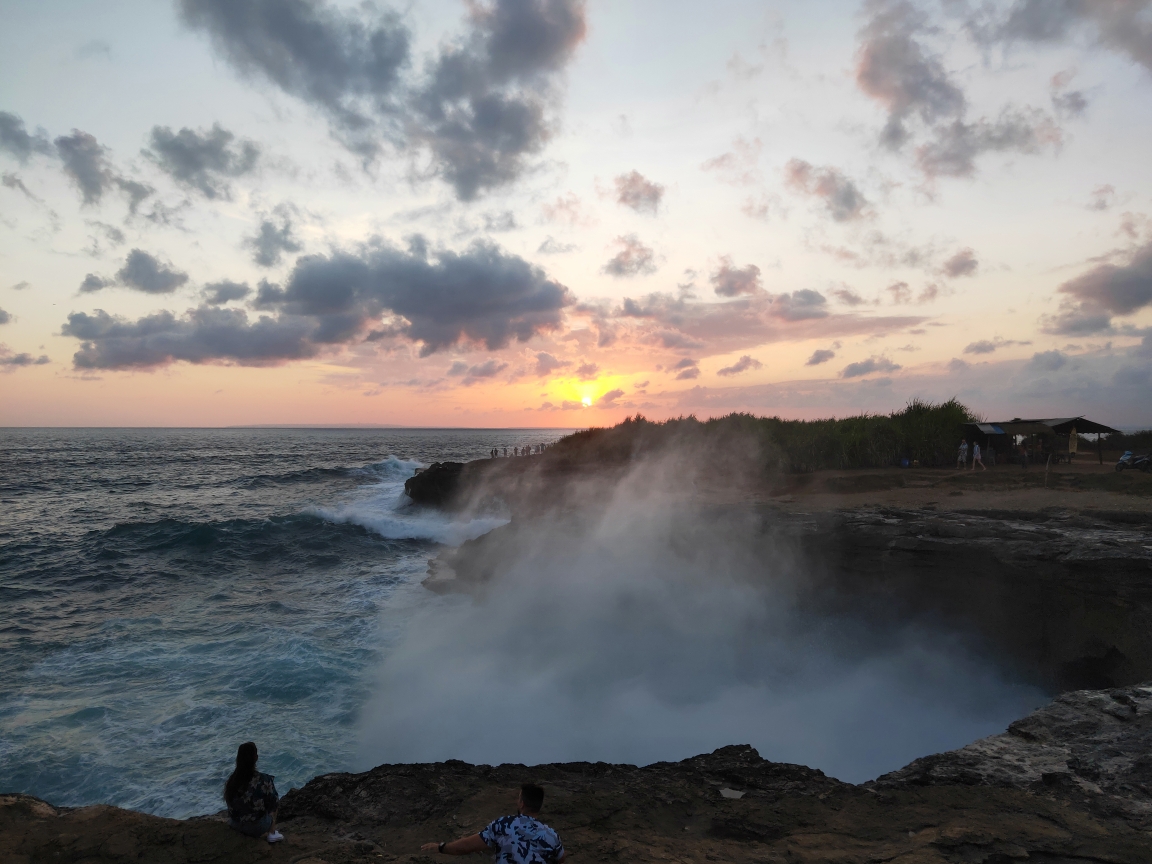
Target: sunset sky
{"points": [[559, 213]]}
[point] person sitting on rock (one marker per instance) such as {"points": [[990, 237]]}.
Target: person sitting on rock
{"points": [[519, 839], [251, 797]]}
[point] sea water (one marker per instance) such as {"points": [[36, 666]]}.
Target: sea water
{"points": [[168, 594]]}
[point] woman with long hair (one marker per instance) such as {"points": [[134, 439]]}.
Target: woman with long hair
{"points": [[251, 797]]}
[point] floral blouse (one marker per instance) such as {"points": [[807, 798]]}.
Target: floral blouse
{"points": [[255, 802]]}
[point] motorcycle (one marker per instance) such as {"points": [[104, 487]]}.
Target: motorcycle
{"points": [[1129, 461]]}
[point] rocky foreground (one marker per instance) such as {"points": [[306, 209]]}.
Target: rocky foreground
{"points": [[1070, 783]]}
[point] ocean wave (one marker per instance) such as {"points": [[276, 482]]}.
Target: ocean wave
{"points": [[389, 468]]}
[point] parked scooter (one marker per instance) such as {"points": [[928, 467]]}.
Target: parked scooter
{"points": [[1143, 463]]}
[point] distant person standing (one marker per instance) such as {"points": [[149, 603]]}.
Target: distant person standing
{"points": [[251, 797], [519, 839], [962, 454], [976, 456]]}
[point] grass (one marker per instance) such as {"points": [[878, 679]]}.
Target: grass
{"points": [[923, 431]]}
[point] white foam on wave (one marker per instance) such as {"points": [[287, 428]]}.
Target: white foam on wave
{"points": [[382, 507]]}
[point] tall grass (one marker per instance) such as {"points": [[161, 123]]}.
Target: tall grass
{"points": [[924, 431]]}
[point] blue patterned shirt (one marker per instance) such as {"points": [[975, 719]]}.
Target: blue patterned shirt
{"points": [[522, 840]]}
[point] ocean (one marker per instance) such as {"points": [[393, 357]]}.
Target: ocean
{"points": [[166, 594]]}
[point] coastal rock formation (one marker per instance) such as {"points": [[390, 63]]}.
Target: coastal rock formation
{"points": [[1069, 783], [435, 486], [1092, 748]]}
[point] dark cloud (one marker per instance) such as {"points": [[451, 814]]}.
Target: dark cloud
{"points": [[15, 139], [5, 317], [743, 364], [1093, 298], [633, 259], [347, 62], [987, 346], [636, 191], [820, 355], [842, 199], [546, 364], [203, 160], [86, 161], [1122, 27], [481, 295], [472, 374], [587, 371], [897, 69], [688, 374], [147, 273], [956, 145], [483, 108], [219, 293], [847, 296], [21, 286], [13, 181], [92, 282], [551, 246], [203, 335], [276, 235], [1048, 361], [15, 361], [963, 263], [1102, 197], [729, 281], [608, 400], [800, 305], [869, 366]]}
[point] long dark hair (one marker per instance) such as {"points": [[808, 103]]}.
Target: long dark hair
{"points": [[245, 769]]}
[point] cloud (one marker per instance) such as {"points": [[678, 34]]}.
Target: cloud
{"points": [[203, 335], [867, 367], [743, 364], [12, 361], [5, 317], [203, 160], [13, 181], [799, 305], [634, 190], [957, 365], [608, 400], [1048, 361], [86, 162], [896, 69], [142, 272], [219, 293], [633, 259], [1120, 27], [842, 199], [820, 355], [1093, 298], [686, 369], [731, 282], [587, 371], [847, 296], [482, 295], [546, 364], [902, 293], [275, 236], [488, 369], [1102, 197], [551, 246], [987, 346], [15, 139], [963, 263], [568, 209]]}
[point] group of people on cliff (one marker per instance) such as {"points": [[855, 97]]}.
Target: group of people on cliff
{"points": [[526, 450], [519, 838]]}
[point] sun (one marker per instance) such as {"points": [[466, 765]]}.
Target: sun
{"points": [[587, 400]]}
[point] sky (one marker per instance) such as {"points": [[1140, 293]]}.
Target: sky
{"points": [[560, 213]]}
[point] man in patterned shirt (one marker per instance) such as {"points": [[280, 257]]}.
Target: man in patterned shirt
{"points": [[520, 839]]}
